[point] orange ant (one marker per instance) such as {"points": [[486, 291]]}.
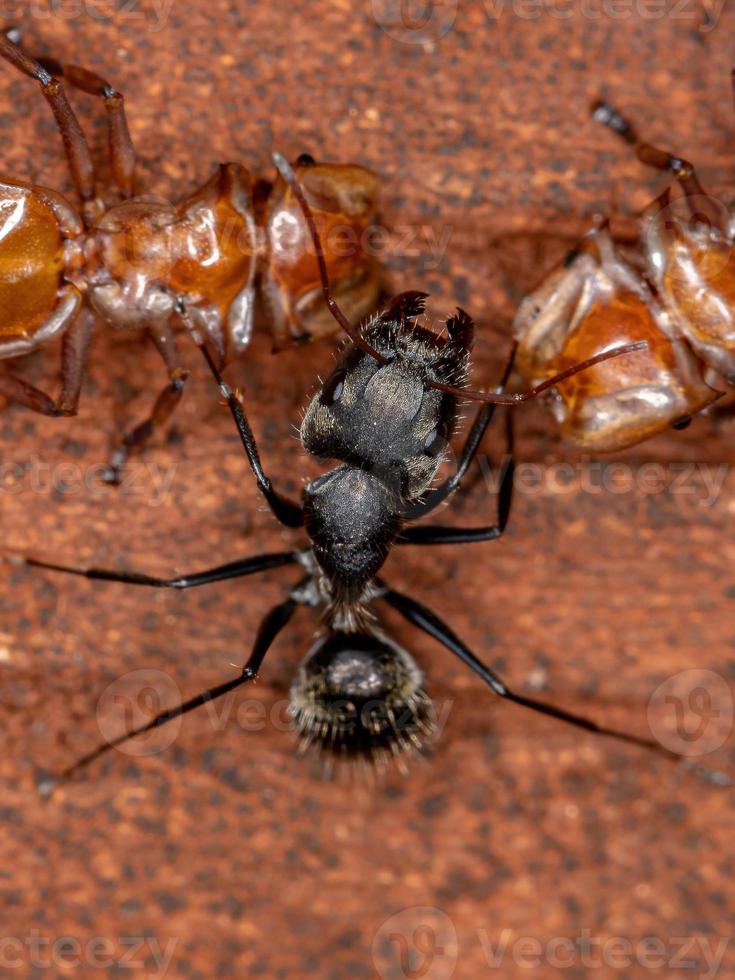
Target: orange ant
{"points": [[141, 262], [682, 303]]}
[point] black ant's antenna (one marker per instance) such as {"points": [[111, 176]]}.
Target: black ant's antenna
{"points": [[495, 397], [286, 171]]}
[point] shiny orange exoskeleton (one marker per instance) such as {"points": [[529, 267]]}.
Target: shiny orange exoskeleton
{"points": [[593, 301], [142, 264], [682, 303]]}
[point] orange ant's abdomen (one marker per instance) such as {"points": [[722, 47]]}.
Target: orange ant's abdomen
{"points": [[35, 301], [344, 201], [629, 399], [591, 304]]}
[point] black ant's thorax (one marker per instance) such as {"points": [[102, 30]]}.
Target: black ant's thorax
{"points": [[389, 431], [352, 519]]}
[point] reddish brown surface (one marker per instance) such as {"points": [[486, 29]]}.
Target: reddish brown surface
{"points": [[518, 827]]}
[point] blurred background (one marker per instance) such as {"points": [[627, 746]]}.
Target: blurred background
{"points": [[520, 845]]}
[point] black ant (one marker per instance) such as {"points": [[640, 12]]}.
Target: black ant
{"points": [[386, 413]]}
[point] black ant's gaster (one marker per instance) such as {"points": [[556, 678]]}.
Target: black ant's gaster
{"points": [[385, 413]]}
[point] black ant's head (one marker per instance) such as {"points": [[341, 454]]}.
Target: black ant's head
{"points": [[357, 695], [385, 418]]}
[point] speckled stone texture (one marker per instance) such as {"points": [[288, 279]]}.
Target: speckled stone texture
{"points": [[227, 846]]}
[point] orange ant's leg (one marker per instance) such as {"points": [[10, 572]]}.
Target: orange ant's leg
{"points": [[16, 390], [75, 143], [74, 362], [609, 116], [684, 171], [73, 366], [122, 153], [163, 337]]}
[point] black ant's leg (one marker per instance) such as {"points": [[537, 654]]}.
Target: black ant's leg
{"points": [[269, 629], [75, 143], [440, 534], [424, 619], [288, 512], [483, 418], [233, 569]]}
